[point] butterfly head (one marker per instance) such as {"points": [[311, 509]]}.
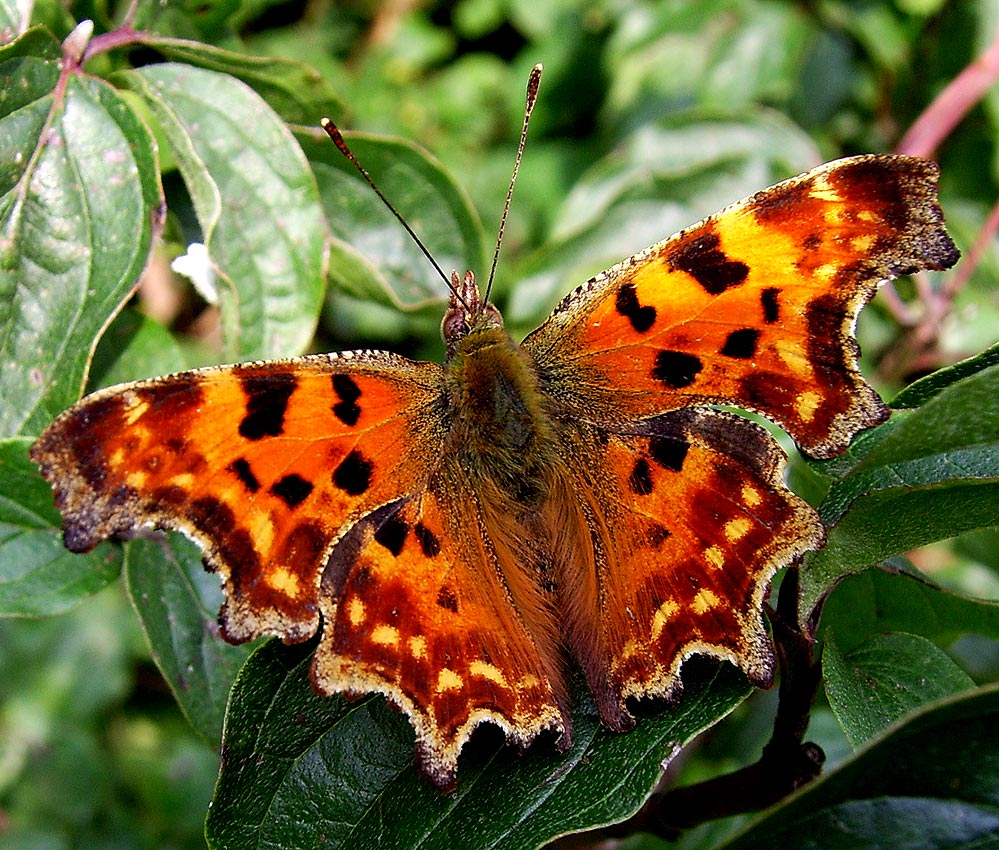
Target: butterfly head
{"points": [[467, 311]]}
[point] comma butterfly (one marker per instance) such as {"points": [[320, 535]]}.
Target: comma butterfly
{"points": [[460, 534]]}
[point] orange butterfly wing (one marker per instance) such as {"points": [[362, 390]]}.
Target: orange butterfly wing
{"points": [[696, 520], [321, 492], [754, 306], [419, 608], [264, 464]]}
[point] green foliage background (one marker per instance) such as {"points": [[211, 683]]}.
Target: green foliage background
{"points": [[651, 116]]}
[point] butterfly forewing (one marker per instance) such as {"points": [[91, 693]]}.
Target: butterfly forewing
{"points": [[754, 306], [264, 464]]}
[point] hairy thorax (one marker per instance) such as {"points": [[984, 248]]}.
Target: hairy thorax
{"points": [[500, 427]]}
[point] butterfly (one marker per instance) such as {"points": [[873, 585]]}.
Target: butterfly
{"points": [[463, 535]]}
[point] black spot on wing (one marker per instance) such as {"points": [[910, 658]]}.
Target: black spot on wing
{"points": [[267, 398], [657, 535], [241, 469], [346, 409], [392, 534], [292, 489], [676, 369], [771, 306], [708, 264], [669, 453], [428, 541], [353, 475], [741, 344], [640, 480], [626, 303], [446, 599], [173, 396], [233, 545]]}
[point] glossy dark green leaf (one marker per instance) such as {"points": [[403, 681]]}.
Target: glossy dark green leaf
{"points": [[37, 575], [256, 201], [878, 601], [178, 604], [79, 198], [884, 679], [930, 783], [373, 257], [931, 475], [132, 348], [921, 391], [302, 770], [292, 89]]}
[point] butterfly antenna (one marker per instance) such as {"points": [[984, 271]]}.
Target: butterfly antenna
{"points": [[334, 133], [532, 96]]}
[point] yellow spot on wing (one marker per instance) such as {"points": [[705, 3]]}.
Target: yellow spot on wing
{"points": [[751, 496], [356, 612], [136, 479], [487, 671], [418, 646], [135, 409], [662, 616], [283, 581], [185, 481], [448, 680], [737, 528], [806, 405], [704, 601], [385, 635], [714, 556]]}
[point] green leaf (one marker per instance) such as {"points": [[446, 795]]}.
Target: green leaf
{"points": [[349, 764], [884, 679], [374, 258], [887, 523], [14, 18], [296, 92], [256, 201], [132, 348], [881, 601], [933, 473], [79, 195], [37, 575], [177, 603], [921, 391], [927, 784]]}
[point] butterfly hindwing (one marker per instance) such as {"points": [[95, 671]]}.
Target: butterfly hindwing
{"points": [[754, 306], [417, 606], [264, 464]]}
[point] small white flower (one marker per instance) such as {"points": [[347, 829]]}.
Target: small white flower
{"points": [[197, 267]]}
